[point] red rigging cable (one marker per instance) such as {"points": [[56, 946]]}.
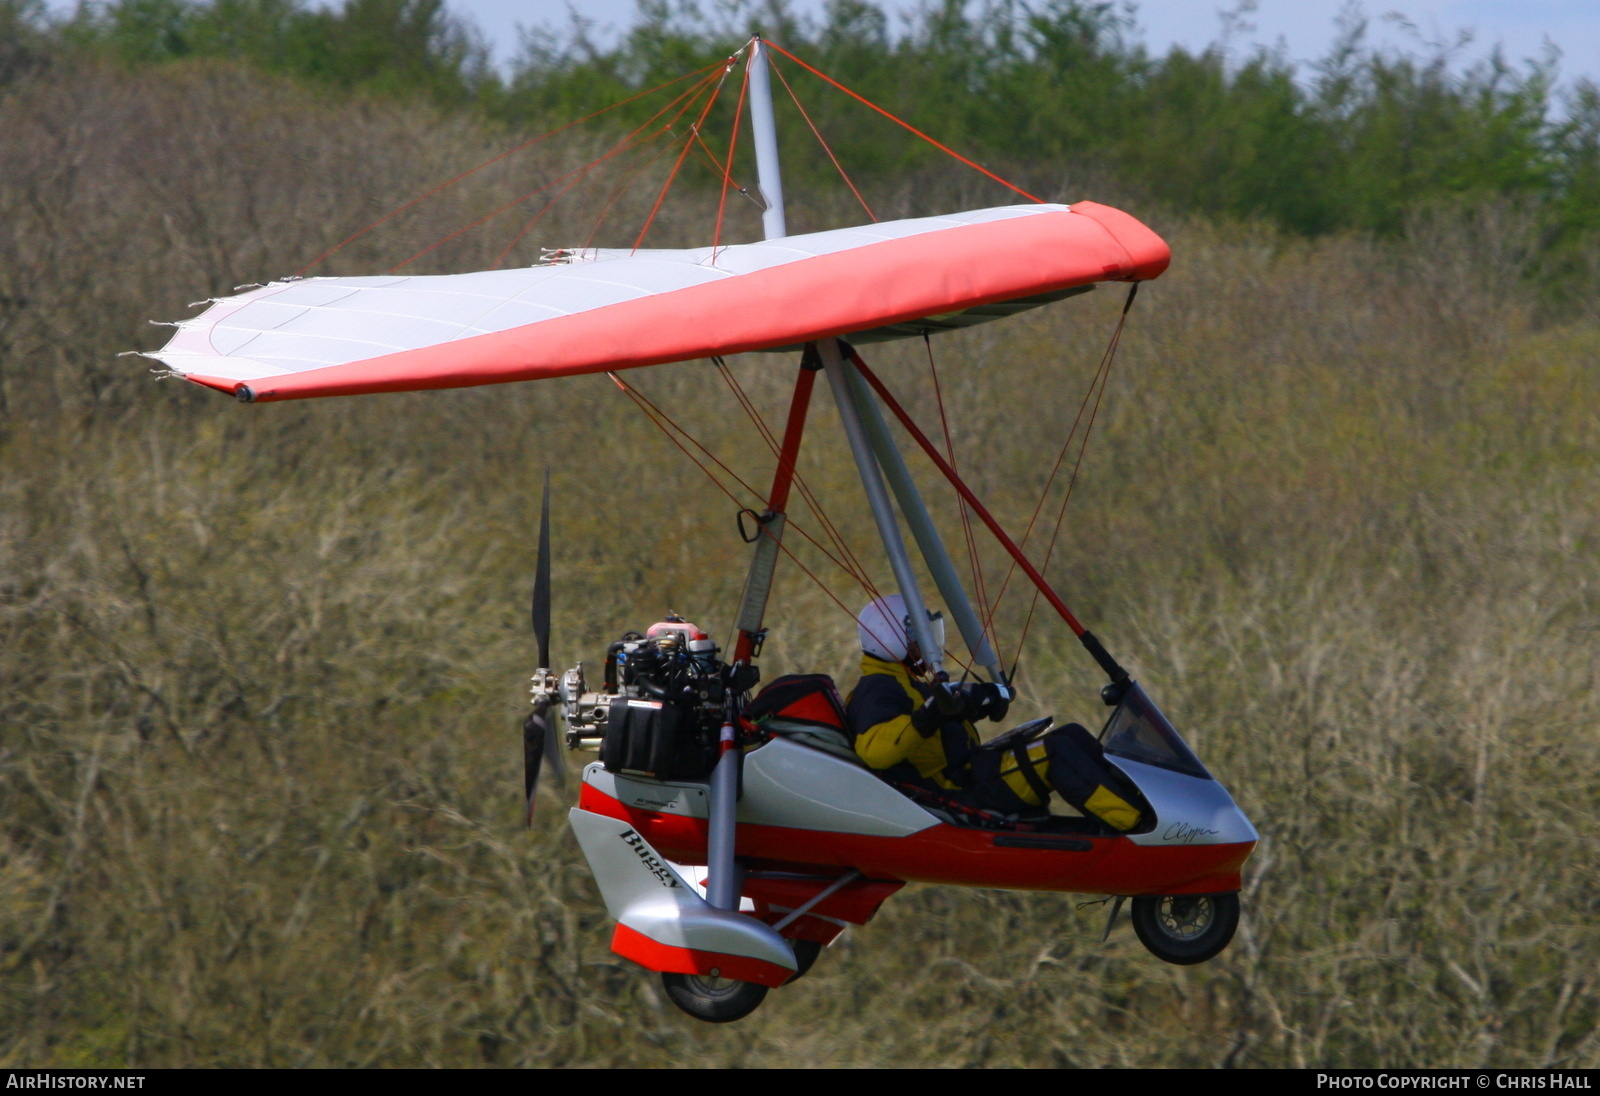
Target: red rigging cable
{"points": [[659, 417], [854, 568], [906, 125], [623, 187], [693, 132], [703, 152], [1066, 447], [966, 492], [1104, 377], [537, 217], [825, 148], [494, 160], [662, 422], [858, 572], [979, 587], [852, 565], [1044, 494], [727, 170], [622, 146]]}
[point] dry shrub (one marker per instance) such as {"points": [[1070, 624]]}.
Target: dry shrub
{"points": [[261, 667]]}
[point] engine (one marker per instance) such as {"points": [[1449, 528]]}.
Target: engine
{"points": [[661, 704]]}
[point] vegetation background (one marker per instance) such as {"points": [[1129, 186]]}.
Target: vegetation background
{"points": [[261, 668]]}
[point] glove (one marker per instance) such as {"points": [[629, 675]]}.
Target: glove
{"points": [[987, 699], [940, 708]]}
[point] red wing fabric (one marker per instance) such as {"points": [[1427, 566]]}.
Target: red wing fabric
{"points": [[591, 310]]}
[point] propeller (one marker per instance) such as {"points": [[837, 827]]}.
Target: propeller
{"points": [[539, 743], [541, 580]]}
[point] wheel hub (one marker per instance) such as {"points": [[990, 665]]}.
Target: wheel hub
{"points": [[1186, 918]]}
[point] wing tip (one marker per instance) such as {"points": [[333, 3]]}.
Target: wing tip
{"points": [[1148, 254], [237, 389]]}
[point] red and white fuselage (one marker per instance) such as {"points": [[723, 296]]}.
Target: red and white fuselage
{"points": [[806, 818]]}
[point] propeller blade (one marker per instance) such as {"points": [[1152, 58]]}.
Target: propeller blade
{"points": [[541, 581], [535, 739], [539, 741], [552, 753]]}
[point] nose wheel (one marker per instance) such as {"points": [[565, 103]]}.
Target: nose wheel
{"points": [[1185, 928]]}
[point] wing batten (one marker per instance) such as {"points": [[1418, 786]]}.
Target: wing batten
{"points": [[591, 311]]}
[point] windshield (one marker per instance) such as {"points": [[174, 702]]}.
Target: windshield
{"points": [[1139, 732]]}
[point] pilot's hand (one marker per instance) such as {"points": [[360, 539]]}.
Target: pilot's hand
{"points": [[987, 699], [935, 712]]}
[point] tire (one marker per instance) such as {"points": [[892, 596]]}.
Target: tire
{"points": [[805, 953], [714, 1000], [1188, 928]]}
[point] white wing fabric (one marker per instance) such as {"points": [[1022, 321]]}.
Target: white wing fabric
{"points": [[591, 310]]}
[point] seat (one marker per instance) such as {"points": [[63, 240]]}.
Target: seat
{"points": [[815, 737], [807, 710]]}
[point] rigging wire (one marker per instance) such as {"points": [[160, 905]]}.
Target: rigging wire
{"points": [[694, 130], [727, 176], [622, 188], [494, 160], [662, 422], [1061, 456], [853, 566], [818, 135], [979, 587], [709, 158], [517, 239], [656, 413], [622, 146], [859, 573], [1104, 377], [702, 150], [666, 424], [906, 125]]}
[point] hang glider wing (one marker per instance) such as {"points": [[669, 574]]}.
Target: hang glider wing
{"points": [[592, 310]]}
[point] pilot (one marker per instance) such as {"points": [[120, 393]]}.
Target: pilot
{"points": [[910, 732]]}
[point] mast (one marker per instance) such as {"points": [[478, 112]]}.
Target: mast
{"points": [[773, 224], [877, 457], [725, 883], [769, 540]]}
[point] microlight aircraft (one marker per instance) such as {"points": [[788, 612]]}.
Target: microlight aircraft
{"points": [[732, 834]]}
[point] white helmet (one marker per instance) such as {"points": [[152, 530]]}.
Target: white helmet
{"points": [[884, 624]]}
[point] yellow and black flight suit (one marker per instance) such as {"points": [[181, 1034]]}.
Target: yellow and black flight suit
{"points": [[882, 712]]}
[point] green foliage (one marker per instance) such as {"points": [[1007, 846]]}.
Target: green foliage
{"points": [[400, 48]]}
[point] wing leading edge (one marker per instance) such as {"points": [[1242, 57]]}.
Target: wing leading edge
{"points": [[591, 311]]}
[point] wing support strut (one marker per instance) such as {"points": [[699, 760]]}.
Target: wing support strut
{"points": [[921, 524], [894, 546], [1118, 675], [770, 525]]}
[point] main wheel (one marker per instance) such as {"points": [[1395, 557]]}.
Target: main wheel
{"points": [[805, 953], [712, 999], [1186, 928]]}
